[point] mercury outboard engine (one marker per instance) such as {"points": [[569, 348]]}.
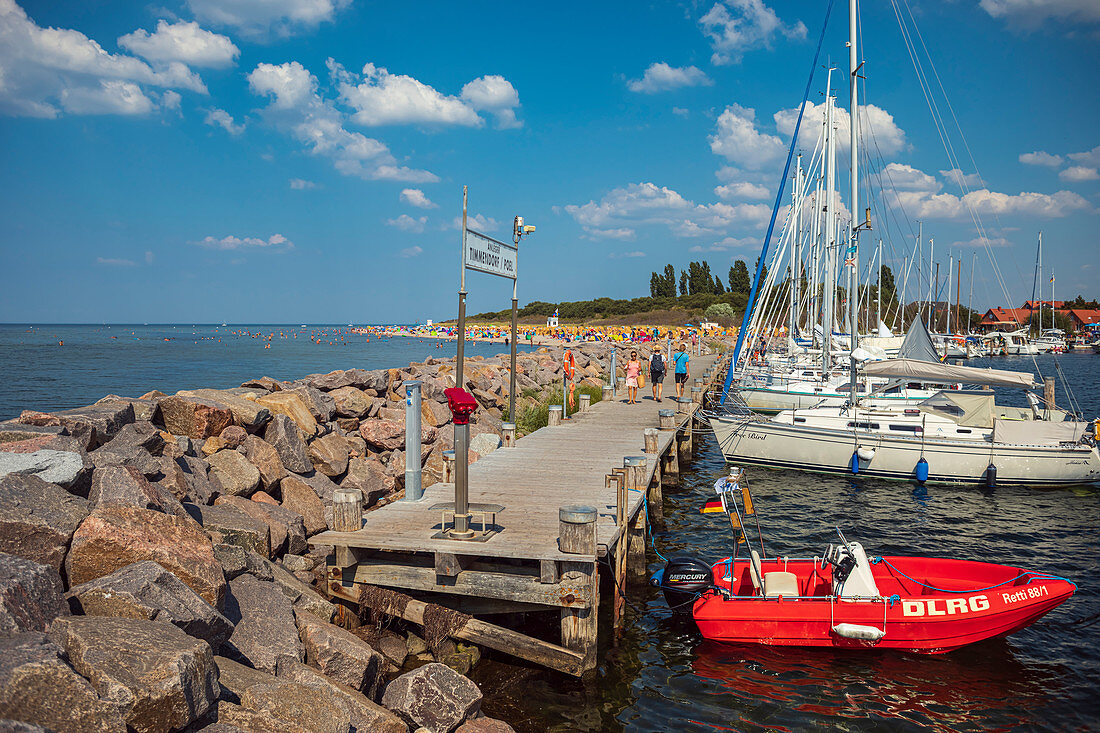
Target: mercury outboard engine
{"points": [[683, 579]]}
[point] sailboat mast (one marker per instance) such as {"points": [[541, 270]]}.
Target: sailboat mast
{"points": [[950, 272], [795, 253], [970, 298], [853, 250], [830, 230], [958, 292], [1038, 282], [878, 290]]}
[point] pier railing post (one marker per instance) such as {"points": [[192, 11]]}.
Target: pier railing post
{"points": [[577, 536], [697, 394], [666, 419], [638, 475], [608, 393], [347, 516], [554, 416], [622, 530], [585, 401], [413, 487], [508, 434], [650, 436], [1048, 392]]}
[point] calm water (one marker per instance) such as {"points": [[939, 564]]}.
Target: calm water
{"points": [[39, 373], [664, 677]]}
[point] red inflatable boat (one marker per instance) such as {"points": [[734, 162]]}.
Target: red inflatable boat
{"points": [[845, 599]]}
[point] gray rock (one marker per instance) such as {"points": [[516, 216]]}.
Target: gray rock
{"points": [[300, 498], [266, 384], [394, 648], [351, 402], [370, 477], [433, 696], [235, 474], [102, 420], [125, 455], [264, 624], [38, 519], [38, 687], [341, 655], [297, 563], [54, 466], [233, 559], [320, 405], [18, 726], [365, 714], [31, 595], [146, 590], [301, 594], [160, 678], [485, 725], [285, 437], [286, 528], [127, 486], [226, 524], [266, 459], [235, 678], [142, 434], [329, 455], [321, 484], [12, 431], [297, 704], [196, 472], [485, 443]]}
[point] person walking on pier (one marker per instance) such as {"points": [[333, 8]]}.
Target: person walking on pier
{"points": [[681, 359], [657, 373], [633, 369]]}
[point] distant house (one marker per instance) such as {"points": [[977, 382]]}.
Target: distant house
{"points": [[1083, 318], [1034, 304], [1010, 319], [1004, 319]]}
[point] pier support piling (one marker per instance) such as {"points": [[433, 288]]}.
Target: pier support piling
{"points": [[585, 402], [577, 535], [554, 417], [508, 434]]}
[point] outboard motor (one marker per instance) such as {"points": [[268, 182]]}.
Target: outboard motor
{"points": [[683, 579]]}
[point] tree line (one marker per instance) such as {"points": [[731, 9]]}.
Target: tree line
{"points": [[697, 279]]}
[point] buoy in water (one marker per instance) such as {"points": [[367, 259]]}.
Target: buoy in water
{"points": [[991, 477], [922, 470]]}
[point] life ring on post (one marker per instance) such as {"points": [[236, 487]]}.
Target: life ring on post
{"points": [[569, 364]]}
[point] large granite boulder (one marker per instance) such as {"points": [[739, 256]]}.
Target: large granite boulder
{"points": [[201, 489], [127, 486], [352, 402], [299, 593], [38, 687], [160, 678], [484, 443], [101, 421], [146, 590], [390, 434], [113, 537], [320, 405], [300, 705], [365, 714], [293, 406], [55, 466], [341, 655], [434, 697], [321, 484], [142, 434], [228, 525], [370, 477], [194, 417], [300, 498], [246, 413], [485, 725], [283, 435], [125, 455], [264, 624], [38, 519], [329, 455], [236, 475], [265, 458], [31, 595], [287, 530]]}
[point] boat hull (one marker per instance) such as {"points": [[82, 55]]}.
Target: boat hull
{"points": [[778, 445]]}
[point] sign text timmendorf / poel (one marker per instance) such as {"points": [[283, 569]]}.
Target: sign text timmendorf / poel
{"points": [[486, 254]]}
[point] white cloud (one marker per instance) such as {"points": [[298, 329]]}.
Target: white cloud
{"points": [[742, 190], [681, 111], [963, 180], [1078, 173], [221, 118], [44, 71], [737, 139], [1089, 157], [984, 242], [184, 42], [382, 98], [494, 94], [317, 124], [170, 100], [263, 18], [727, 244], [408, 224], [415, 197], [625, 255], [1040, 157], [275, 243], [902, 177], [114, 262], [414, 251], [927, 205], [660, 77], [300, 184], [642, 204], [477, 222], [877, 127], [622, 234], [736, 26], [1031, 13]]}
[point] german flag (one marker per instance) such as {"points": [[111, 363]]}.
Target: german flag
{"points": [[714, 506]]}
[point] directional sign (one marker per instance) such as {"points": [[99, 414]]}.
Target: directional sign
{"points": [[486, 254]]}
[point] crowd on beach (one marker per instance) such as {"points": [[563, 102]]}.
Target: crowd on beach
{"points": [[556, 335]]}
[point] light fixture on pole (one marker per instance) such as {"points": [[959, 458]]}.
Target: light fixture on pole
{"points": [[519, 231]]}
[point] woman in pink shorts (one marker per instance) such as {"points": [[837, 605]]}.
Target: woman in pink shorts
{"points": [[633, 369]]}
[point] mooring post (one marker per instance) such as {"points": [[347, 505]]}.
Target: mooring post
{"points": [[585, 401], [347, 516], [413, 487], [670, 464], [508, 434], [448, 466], [1048, 392], [608, 392], [577, 536], [666, 419], [637, 468], [650, 436], [622, 534], [554, 417], [697, 394]]}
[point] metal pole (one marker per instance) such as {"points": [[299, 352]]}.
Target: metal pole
{"points": [[461, 356], [614, 381], [512, 376], [853, 124], [462, 478], [413, 487]]}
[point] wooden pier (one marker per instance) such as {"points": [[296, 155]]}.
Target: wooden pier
{"points": [[547, 553]]}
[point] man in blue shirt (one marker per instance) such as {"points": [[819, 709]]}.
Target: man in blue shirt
{"points": [[681, 359]]}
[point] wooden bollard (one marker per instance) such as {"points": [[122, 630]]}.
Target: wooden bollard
{"points": [[667, 419], [635, 469], [697, 395], [683, 405], [577, 536], [508, 434], [608, 393], [650, 436], [448, 466], [347, 510], [1048, 392], [554, 417], [586, 402], [638, 474]]}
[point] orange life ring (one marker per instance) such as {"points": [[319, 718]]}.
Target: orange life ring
{"points": [[570, 364]]}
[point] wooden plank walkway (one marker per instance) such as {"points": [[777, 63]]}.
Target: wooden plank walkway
{"points": [[552, 467]]}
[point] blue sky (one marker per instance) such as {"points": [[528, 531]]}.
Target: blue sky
{"points": [[303, 160]]}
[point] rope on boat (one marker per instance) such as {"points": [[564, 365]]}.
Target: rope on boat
{"points": [[1026, 574]]}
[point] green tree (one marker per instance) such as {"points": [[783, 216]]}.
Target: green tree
{"points": [[654, 285], [739, 278], [763, 271], [718, 289], [683, 283], [668, 282], [721, 313]]}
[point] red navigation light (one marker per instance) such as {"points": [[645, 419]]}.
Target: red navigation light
{"points": [[462, 404]]}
